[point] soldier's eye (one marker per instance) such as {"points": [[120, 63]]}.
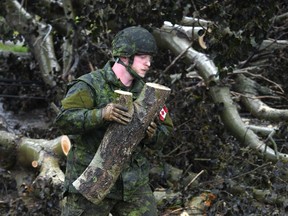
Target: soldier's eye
{"points": [[146, 57]]}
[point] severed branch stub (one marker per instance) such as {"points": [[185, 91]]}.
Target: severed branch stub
{"points": [[119, 142]]}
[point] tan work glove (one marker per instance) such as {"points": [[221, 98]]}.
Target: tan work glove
{"points": [[117, 113], [151, 130]]}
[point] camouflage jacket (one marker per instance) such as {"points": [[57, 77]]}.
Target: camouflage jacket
{"points": [[81, 119]]}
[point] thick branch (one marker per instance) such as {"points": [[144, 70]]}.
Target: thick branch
{"points": [[191, 21], [30, 151], [37, 153], [38, 36], [192, 33], [119, 142], [205, 66], [249, 90], [262, 110], [273, 44], [69, 42]]}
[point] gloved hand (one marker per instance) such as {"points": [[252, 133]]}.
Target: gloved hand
{"points": [[151, 130], [117, 113]]}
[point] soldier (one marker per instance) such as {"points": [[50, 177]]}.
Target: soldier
{"points": [[86, 112]]}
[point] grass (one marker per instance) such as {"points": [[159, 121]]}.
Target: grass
{"points": [[13, 48]]}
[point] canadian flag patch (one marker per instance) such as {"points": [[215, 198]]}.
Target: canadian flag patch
{"points": [[163, 113]]}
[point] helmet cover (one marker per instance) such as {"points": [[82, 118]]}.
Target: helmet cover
{"points": [[133, 40]]}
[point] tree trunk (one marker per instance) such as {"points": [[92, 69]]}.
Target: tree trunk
{"points": [[119, 142]]}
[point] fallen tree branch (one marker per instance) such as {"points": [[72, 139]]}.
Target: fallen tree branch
{"points": [[191, 21], [261, 129], [256, 106], [221, 95], [37, 35], [37, 153], [262, 110], [246, 71], [232, 121]]}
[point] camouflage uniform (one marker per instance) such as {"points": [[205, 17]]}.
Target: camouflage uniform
{"points": [[80, 117]]}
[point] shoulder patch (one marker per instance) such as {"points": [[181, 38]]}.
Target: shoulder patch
{"points": [[163, 113]]}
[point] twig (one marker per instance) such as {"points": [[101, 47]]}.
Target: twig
{"points": [[174, 150], [194, 179], [255, 97], [251, 171], [270, 137], [177, 58]]}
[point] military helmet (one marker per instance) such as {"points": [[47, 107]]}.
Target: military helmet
{"points": [[133, 40]]}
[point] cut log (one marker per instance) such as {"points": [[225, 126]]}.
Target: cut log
{"points": [[44, 155], [119, 142], [30, 151], [37, 153]]}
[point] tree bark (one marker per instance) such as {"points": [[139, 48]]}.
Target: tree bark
{"points": [[119, 142]]}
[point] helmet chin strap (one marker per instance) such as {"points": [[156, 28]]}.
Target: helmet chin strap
{"points": [[129, 69]]}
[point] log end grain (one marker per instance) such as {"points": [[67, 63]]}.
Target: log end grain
{"points": [[65, 144]]}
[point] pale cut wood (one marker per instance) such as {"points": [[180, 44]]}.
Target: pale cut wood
{"points": [[65, 144]]}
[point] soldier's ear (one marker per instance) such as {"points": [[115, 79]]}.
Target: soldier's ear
{"points": [[125, 60]]}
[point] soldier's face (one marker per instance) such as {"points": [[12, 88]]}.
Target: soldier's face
{"points": [[141, 64]]}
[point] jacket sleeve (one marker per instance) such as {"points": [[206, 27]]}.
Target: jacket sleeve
{"points": [[78, 113], [163, 133]]}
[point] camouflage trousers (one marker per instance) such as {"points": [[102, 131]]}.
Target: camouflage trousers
{"points": [[141, 203]]}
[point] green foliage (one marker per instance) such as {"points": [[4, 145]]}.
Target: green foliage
{"points": [[13, 48]]}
